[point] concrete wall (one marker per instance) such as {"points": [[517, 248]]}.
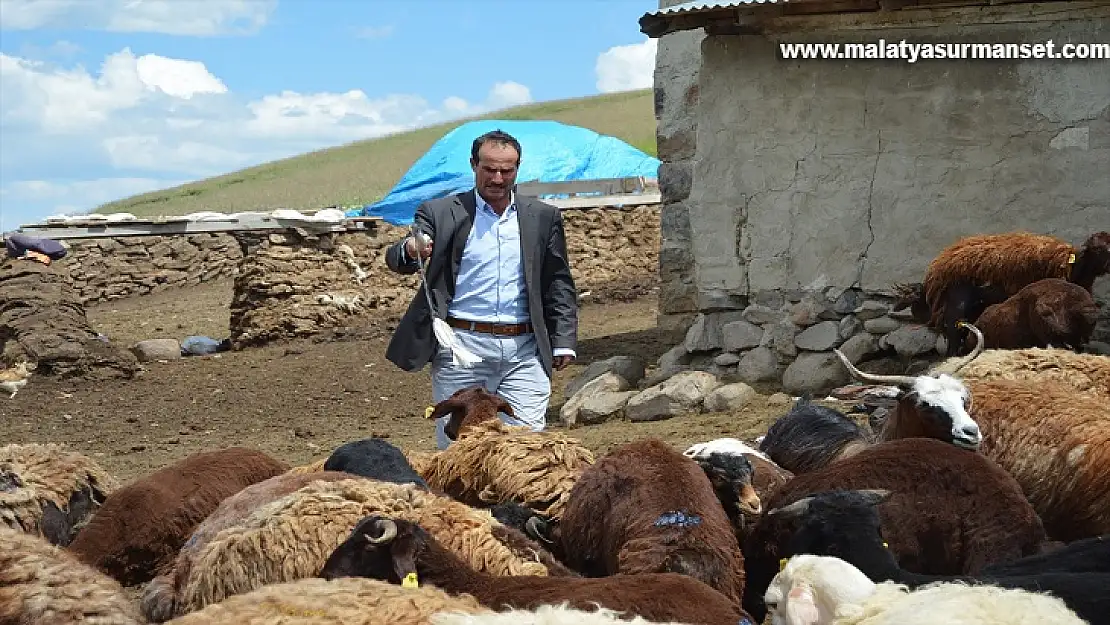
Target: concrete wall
{"points": [[820, 183]]}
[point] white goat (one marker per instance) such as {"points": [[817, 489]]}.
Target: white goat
{"points": [[823, 590]]}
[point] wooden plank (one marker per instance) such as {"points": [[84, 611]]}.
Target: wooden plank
{"points": [[932, 16], [624, 199], [605, 186], [98, 230]]}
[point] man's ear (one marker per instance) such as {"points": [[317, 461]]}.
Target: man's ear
{"points": [[801, 606]]}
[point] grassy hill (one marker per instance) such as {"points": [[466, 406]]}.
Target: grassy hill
{"points": [[363, 172]]}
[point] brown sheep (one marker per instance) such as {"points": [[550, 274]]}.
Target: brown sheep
{"points": [[50, 490], [350, 601], [1013, 260], [963, 301], [42, 583], [290, 537], [1056, 444], [646, 508], [951, 512], [141, 526], [402, 552], [1083, 372], [468, 407], [160, 597], [1047, 313]]}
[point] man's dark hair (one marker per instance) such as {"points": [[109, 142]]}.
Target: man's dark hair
{"points": [[497, 137]]}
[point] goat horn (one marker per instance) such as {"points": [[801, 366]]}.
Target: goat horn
{"points": [[795, 509], [536, 528], [389, 532], [978, 345], [874, 378]]}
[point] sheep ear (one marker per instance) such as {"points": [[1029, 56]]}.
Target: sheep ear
{"points": [[504, 407], [801, 607], [445, 407]]}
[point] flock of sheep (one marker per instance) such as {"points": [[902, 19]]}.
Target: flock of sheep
{"points": [[977, 492]]}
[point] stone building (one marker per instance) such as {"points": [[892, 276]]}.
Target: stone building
{"points": [[798, 191]]}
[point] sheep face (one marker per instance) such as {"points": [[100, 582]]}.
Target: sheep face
{"points": [[836, 523], [941, 404], [809, 589], [1096, 252], [467, 407], [731, 476], [378, 548]]}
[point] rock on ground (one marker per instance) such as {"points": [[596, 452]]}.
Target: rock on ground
{"points": [[43, 321]]}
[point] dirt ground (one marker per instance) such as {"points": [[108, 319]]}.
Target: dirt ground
{"points": [[301, 399]]}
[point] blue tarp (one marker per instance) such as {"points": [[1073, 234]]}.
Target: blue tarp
{"points": [[552, 152]]}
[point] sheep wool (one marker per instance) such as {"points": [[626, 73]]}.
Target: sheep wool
{"points": [[1010, 260], [348, 600], [957, 604], [34, 474], [291, 537], [1056, 443], [1087, 373], [312, 467], [42, 583], [492, 463], [545, 615]]}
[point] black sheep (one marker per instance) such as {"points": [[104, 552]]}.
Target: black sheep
{"points": [[376, 459]]}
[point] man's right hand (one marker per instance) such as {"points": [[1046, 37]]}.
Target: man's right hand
{"points": [[410, 248]]}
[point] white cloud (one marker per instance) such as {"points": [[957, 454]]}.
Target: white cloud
{"points": [[199, 18], [137, 122], [628, 67]]}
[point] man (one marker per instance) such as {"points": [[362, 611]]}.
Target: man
{"points": [[499, 275]]}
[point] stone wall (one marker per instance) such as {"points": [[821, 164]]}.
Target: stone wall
{"points": [[110, 269], [294, 286], [810, 178]]}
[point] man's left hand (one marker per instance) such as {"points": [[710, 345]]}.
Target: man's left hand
{"points": [[561, 362]]}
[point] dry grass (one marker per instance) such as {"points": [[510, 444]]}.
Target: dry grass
{"points": [[363, 172]]}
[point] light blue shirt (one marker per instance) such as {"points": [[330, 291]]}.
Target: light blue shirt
{"points": [[490, 286]]}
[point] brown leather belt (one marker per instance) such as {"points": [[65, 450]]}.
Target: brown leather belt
{"points": [[506, 329]]}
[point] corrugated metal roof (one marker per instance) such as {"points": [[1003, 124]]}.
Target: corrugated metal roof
{"points": [[651, 22]]}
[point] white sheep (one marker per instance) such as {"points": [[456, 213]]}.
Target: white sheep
{"points": [[545, 615], [823, 590]]}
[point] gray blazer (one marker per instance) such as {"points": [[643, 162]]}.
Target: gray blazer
{"points": [[552, 298]]}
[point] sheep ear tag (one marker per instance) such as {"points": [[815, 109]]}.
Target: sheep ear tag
{"points": [[428, 412], [410, 581], [782, 564], [1071, 259]]}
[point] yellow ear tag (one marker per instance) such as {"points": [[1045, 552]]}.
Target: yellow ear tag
{"points": [[886, 546], [782, 564], [428, 412], [1071, 259], [410, 581]]}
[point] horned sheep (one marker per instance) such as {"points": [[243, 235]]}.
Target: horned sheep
{"points": [[50, 490], [350, 601], [490, 463], [1086, 373], [290, 538], [952, 511], [846, 524], [646, 508], [1046, 313], [824, 590], [811, 436], [42, 583], [403, 552], [140, 528]]}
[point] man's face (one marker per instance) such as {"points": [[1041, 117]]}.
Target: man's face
{"points": [[495, 171]]}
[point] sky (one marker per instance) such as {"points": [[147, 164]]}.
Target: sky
{"points": [[103, 99]]}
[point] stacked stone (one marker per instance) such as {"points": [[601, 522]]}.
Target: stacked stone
{"points": [[787, 338]]}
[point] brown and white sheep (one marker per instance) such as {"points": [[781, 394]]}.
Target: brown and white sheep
{"points": [[1086, 373], [290, 537], [142, 525], [646, 508], [548, 615], [347, 601], [42, 583], [160, 597], [50, 490], [951, 511], [402, 552], [1046, 313], [1056, 443], [1014, 259]]}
